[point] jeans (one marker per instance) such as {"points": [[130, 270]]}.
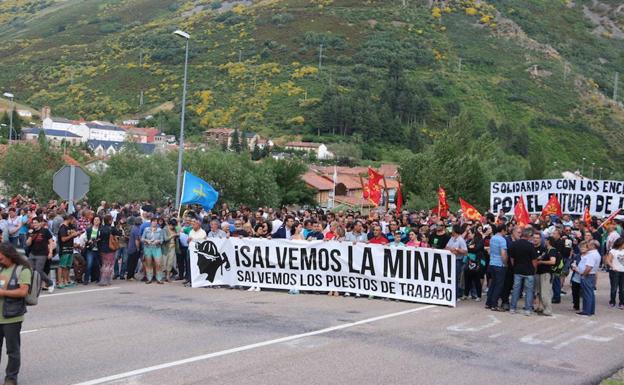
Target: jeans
{"points": [[14, 241], [497, 273], [508, 286], [92, 274], [472, 280], [11, 334], [188, 265], [459, 269], [556, 288], [587, 291], [529, 281], [576, 295], [133, 261], [38, 262], [181, 261], [616, 278], [122, 255], [545, 292]]}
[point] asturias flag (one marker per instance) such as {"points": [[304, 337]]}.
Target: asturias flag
{"points": [[398, 199], [198, 192], [521, 213], [469, 211], [553, 207], [372, 190]]}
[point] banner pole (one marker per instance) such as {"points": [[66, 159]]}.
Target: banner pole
{"points": [[181, 195]]}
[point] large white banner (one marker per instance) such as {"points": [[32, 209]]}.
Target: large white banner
{"points": [[405, 273], [602, 196]]}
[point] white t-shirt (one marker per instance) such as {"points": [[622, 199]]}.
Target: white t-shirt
{"points": [[592, 259], [199, 235], [276, 224], [613, 236], [618, 260]]}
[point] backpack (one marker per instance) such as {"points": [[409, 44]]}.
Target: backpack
{"points": [[557, 268], [475, 265], [113, 242], [34, 290]]}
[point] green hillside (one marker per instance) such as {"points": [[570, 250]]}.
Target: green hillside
{"points": [[506, 81]]}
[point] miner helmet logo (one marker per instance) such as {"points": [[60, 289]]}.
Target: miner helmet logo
{"points": [[209, 260]]}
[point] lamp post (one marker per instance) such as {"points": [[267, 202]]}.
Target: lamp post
{"points": [[600, 177], [10, 96], [187, 37], [583, 168]]}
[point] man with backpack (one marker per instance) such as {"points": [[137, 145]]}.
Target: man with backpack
{"points": [[41, 246], [15, 290], [547, 264]]}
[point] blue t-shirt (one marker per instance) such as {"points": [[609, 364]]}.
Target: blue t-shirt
{"points": [[497, 245]]}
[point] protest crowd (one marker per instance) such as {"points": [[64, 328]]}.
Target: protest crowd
{"points": [[549, 260]]}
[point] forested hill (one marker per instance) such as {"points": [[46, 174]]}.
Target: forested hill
{"points": [[479, 84]]}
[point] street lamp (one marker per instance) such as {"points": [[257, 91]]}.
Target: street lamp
{"points": [[583, 168], [10, 96], [187, 37], [600, 177]]}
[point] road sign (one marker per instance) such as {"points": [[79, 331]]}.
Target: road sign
{"points": [[71, 183]]}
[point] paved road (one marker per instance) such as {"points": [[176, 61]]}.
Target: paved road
{"points": [[223, 336]]}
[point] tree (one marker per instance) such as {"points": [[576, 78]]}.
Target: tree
{"points": [[28, 170], [42, 140], [243, 141], [236, 145], [255, 153], [292, 189], [537, 163], [132, 176]]}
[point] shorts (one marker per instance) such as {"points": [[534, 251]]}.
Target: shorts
{"points": [[152, 252], [66, 261]]}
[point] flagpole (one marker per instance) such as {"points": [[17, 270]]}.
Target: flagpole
{"points": [[181, 195], [335, 176], [386, 193]]}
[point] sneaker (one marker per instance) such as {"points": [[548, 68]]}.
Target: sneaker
{"points": [[371, 297], [563, 292], [251, 289], [478, 299], [581, 313], [51, 288], [60, 287], [621, 306], [528, 312], [148, 282], [347, 294], [160, 282], [257, 288], [512, 311], [464, 297], [611, 305]]}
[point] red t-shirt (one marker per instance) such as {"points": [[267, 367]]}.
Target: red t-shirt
{"points": [[330, 236], [380, 240]]}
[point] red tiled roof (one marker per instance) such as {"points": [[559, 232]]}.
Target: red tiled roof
{"points": [[351, 182], [389, 170], [70, 161], [317, 181]]}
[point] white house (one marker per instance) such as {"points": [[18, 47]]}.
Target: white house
{"points": [[107, 133], [55, 137], [74, 126], [319, 149], [24, 114]]}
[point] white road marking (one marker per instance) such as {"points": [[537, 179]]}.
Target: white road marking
{"points": [[462, 327], [202, 357], [78, 292], [30, 331]]}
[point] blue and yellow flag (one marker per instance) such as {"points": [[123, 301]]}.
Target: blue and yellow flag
{"points": [[198, 192]]}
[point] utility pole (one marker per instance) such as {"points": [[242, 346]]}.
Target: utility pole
{"points": [[240, 55], [459, 65], [320, 57], [141, 99], [615, 86]]}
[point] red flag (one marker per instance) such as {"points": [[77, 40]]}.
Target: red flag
{"points": [[521, 213], [398, 199], [587, 216], [372, 190], [610, 218], [553, 207], [469, 211], [443, 206]]}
